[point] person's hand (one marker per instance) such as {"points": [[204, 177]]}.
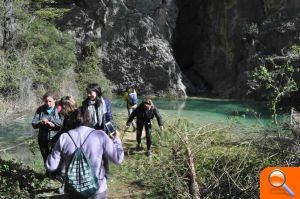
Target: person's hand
{"points": [[44, 121], [114, 135], [161, 128], [51, 124]]}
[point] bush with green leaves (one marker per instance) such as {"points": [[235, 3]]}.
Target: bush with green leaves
{"points": [[42, 53], [48, 9], [51, 52], [18, 181], [225, 167], [89, 70], [277, 80]]}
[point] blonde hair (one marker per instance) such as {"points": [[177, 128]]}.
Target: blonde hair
{"points": [[68, 104], [148, 101]]}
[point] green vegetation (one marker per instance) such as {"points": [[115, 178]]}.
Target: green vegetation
{"points": [[42, 55], [48, 9], [89, 70], [18, 181], [225, 167], [275, 80], [223, 163], [51, 53], [271, 5], [22, 181]]}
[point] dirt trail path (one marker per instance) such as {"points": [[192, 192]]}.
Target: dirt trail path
{"points": [[119, 186]]}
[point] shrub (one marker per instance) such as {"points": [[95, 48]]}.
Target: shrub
{"points": [[89, 70]]}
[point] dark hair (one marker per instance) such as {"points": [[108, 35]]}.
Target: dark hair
{"points": [[83, 116], [50, 94], [94, 87], [130, 86]]}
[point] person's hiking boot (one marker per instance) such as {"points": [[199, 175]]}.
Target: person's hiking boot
{"points": [[148, 153], [139, 147]]}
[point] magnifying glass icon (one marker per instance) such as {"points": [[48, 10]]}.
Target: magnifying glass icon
{"points": [[277, 179]]}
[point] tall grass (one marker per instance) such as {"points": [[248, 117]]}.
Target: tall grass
{"points": [[225, 168]]}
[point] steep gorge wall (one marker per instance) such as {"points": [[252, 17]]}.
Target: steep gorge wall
{"points": [[133, 38], [170, 47], [218, 43]]}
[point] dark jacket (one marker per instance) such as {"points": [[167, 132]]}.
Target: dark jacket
{"points": [[69, 123], [107, 117], [143, 117], [54, 117]]}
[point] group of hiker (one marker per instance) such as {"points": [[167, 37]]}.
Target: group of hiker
{"points": [[71, 137]]}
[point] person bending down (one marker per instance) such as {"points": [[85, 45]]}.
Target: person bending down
{"points": [[144, 113]]}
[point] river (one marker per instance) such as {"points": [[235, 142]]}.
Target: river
{"points": [[198, 110]]}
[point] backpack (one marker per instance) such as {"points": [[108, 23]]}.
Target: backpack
{"points": [[80, 176], [132, 98]]}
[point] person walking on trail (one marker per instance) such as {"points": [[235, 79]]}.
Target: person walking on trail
{"points": [[95, 144], [48, 121], [130, 97], [100, 112], [144, 113]]}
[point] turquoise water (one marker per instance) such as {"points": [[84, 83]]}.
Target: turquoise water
{"points": [[199, 111], [203, 111]]}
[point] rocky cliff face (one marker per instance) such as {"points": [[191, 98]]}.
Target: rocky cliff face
{"points": [[218, 43], [134, 41]]}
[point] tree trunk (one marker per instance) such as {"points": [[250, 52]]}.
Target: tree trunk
{"points": [[8, 24], [194, 185]]}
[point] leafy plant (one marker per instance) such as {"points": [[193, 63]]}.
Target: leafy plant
{"points": [[89, 70], [276, 80], [48, 9], [18, 181]]}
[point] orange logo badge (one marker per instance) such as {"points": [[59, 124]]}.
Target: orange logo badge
{"points": [[280, 183]]}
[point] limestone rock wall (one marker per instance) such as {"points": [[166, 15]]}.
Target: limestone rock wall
{"points": [[219, 42], [184, 46], [133, 38]]}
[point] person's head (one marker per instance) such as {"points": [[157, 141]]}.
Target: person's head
{"points": [[49, 98], [83, 116], [68, 105], [130, 87], [148, 103], [93, 91]]}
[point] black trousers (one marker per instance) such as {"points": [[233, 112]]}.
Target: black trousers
{"points": [[44, 146], [139, 130]]}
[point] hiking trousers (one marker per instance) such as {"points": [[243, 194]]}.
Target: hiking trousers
{"points": [[139, 130], [44, 146], [129, 111]]}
